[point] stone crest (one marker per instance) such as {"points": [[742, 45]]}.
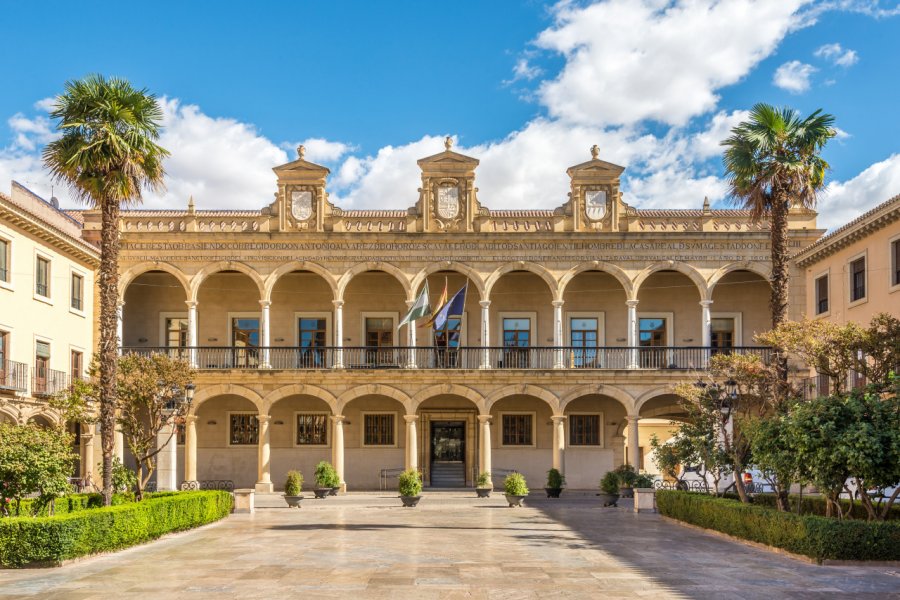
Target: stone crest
{"points": [[447, 202], [301, 204], [596, 204]]}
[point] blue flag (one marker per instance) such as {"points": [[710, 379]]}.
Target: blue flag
{"points": [[454, 308]]}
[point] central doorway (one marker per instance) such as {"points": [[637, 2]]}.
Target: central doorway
{"points": [[448, 454]]}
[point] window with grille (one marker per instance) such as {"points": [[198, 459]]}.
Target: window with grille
{"points": [[858, 279], [243, 429], [378, 429], [42, 277], [517, 430], [4, 261], [822, 294], [77, 292], [584, 430], [312, 429]]}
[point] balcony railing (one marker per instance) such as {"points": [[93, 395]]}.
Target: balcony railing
{"points": [[47, 382], [467, 357], [13, 376]]}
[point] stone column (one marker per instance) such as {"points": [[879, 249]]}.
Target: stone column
{"points": [[706, 330], [411, 339], [485, 333], [485, 421], [87, 451], [264, 335], [119, 448], [190, 448], [412, 444], [338, 334], [264, 484], [558, 354], [167, 459], [634, 443], [192, 341], [633, 341], [120, 309], [337, 449], [559, 442]]}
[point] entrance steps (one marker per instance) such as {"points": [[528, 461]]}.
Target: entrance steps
{"points": [[448, 475]]}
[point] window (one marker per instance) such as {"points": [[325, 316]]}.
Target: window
{"points": [[449, 335], [77, 301], [583, 337], [379, 332], [516, 332], [5, 375], [858, 279], [243, 429], [4, 261], [245, 340], [77, 364], [378, 429], [517, 430], [584, 430], [721, 332], [312, 333], [176, 332], [895, 262], [822, 295], [652, 332], [312, 429], [41, 367], [42, 277]]}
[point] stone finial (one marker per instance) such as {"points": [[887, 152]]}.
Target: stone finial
{"points": [[191, 204], [595, 151], [448, 142], [301, 150], [706, 204]]}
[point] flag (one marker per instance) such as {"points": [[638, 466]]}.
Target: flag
{"points": [[441, 301], [419, 309], [454, 308]]}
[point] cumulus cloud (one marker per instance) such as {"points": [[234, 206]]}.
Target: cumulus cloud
{"points": [[793, 76], [524, 71], [844, 201], [321, 150], [837, 55]]}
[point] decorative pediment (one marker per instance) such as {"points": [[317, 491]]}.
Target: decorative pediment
{"points": [[301, 169], [594, 200], [447, 199], [301, 201]]}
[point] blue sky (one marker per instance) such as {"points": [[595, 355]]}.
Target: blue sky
{"points": [[526, 87]]}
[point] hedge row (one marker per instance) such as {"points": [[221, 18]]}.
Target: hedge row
{"points": [[815, 505], [819, 538], [51, 540], [68, 504]]}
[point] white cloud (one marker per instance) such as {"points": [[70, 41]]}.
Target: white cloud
{"points": [[793, 76], [320, 150], [524, 71], [45, 104], [844, 201], [708, 143], [837, 55]]}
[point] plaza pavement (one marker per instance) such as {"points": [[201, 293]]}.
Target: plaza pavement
{"points": [[452, 546]]}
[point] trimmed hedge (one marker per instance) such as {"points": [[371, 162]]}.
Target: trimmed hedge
{"points": [[51, 540], [815, 505], [819, 538], [68, 504]]}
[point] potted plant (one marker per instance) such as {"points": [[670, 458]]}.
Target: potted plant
{"points": [[642, 481], [292, 488], [609, 489], [327, 480], [410, 487], [555, 483], [626, 474], [483, 485], [515, 488]]}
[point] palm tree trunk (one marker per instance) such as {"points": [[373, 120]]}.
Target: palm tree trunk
{"points": [[109, 341], [778, 301]]}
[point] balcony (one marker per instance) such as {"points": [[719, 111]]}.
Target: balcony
{"points": [[13, 376], [369, 358], [48, 382]]}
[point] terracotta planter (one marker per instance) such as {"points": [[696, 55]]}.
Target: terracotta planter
{"points": [[410, 501], [483, 492], [293, 501], [553, 492], [514, 501], [322, 492], [608, 499]]}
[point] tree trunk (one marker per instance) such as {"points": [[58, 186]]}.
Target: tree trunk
{"points": [[779, 299], [108, 350], [739, 486]]}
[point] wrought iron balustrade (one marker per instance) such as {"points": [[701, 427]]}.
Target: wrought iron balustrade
{"points": [[13, 376], [47, 382]]}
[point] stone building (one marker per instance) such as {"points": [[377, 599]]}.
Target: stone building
{"points": [[577, 322]]}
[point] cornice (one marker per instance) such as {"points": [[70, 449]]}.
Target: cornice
{"points": [[72, 246]]}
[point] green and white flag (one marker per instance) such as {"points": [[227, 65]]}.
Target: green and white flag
{"points": [[421, 308]]}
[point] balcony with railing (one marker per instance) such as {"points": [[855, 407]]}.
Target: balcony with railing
{"points": [[48, 382], [463, 357], [13, 376]]}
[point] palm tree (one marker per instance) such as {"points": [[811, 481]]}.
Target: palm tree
{"points": [[773, 162], [107, 155]]}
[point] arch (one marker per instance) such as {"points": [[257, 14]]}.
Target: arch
{"points": [[50, 417], [374, 389], [463, 269], [298, 265], [753, 267], [641, 400], [228, 389], [522, 390], [671, 265], [623, 397], [135, 271], [9, 412], [298, 389], [596, 265], [521, 265], [388, 268], [449, 389], [225, 265], [662, 413]]}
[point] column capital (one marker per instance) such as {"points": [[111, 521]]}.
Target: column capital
{"points": [[632, 418], [558, 418], [706, 303], [410, 418], [485, 418], [190, 418], [338, 303], [338, 419], [632, 303], [191, 303], [265, 303], [558, 303], [484, 303], [263, 418]]}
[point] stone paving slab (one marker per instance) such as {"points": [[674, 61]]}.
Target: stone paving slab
{"points": [[452, 546]]}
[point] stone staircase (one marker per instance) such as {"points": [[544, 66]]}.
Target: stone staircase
{"points": [[448, 475]]}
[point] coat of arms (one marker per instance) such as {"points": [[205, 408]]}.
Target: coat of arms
{"points": [[301, 205], [595, 204], [447, 202]]}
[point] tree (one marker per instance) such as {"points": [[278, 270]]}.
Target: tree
{"points": [[108, 156], [34, 459], [772, 162]]}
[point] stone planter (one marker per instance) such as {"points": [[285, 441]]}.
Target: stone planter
{"points": [[553, 492], [243, 500], [514, 501], [293, 501], [483, 492], [608, 499], [322, 492], [644, 500], [410, 501], [626, 492]]}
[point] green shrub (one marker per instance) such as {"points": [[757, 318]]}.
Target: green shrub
{"points": [[73, 503], [326, 476], [643, 481], [294, 483], [484, 480], [515, 485], [610, 483], [626, 475], [410, 483], [815, 505], [51, 540], [123, 478], [808, 535], [555, 479]]}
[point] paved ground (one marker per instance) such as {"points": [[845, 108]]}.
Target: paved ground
{"points": [[451, 546]]}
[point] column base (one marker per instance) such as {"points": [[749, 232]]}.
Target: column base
{"points": [[264, 487]]}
